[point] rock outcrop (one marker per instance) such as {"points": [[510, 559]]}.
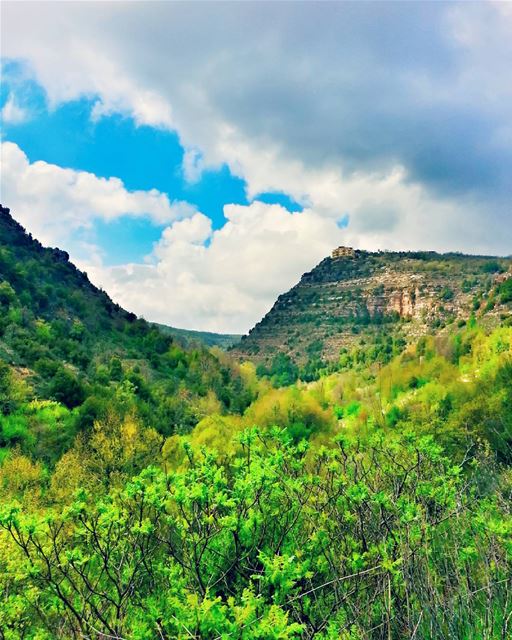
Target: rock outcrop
{"points": [[341, 301]]}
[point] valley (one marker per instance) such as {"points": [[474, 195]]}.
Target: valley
{"points": [[357, 445]]}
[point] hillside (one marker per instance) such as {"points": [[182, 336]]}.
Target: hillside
{"points": [[208, 338], [63, 339], [45, 286], [381, 298]]}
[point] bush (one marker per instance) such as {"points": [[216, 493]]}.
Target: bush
{"points": [[387, 534], [66, 388], [7, 294], [505, 291]]}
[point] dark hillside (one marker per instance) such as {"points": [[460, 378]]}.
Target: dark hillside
{"points": [[50, 289], [63, 339], [208, 338]]}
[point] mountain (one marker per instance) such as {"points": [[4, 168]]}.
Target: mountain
{"points": [[63, 339], [44, 294], [208, 338], [356, 298]]}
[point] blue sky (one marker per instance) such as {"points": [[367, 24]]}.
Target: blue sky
{"points": [[197, 158], [144, 157]]}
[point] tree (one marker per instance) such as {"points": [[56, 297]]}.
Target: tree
{"points": [[66, 388]]}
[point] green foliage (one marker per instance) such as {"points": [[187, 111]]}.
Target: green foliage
{"points": [[7, 294], [196, 338], [14, 431], [447, 294], [13, 391], [378, 297], [505, 291], [67, 389], [282, 371], [279, 543], [300, 413], [75, 346], [492, 266]]}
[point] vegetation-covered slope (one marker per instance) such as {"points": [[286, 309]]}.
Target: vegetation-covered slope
{"points": [[62, 339], [208, 338], [372, 503]]}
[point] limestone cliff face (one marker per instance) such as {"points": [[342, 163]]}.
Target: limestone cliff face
{"points": [[343, 299], [410, 303], [403, 303]]}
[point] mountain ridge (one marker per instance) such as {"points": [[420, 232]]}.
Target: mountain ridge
{"points": [[407, 294]]}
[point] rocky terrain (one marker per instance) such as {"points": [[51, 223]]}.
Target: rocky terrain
{"points": [[347, 300]]}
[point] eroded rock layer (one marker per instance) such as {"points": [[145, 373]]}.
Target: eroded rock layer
{"points": [[344, 299]]}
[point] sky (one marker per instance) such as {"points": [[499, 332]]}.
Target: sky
{"points": [[195, 158]]}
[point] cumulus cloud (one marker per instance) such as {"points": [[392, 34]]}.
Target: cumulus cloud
{"points": [[385, 209], [222, 280], [196, 277], [226, 279], [53, 202]]}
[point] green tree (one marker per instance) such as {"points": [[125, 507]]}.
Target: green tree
{"points": [[66, 388]]}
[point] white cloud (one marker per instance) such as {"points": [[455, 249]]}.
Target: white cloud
{"points": [[223, 279], [416, 120], [193, 164], [386, 209], [226, 279], [229, 283], [54, 202], [423, 86], [145, 107], [12, 112]]}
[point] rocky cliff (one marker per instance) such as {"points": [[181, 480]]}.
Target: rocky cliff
{"points": [[345, 300]]}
